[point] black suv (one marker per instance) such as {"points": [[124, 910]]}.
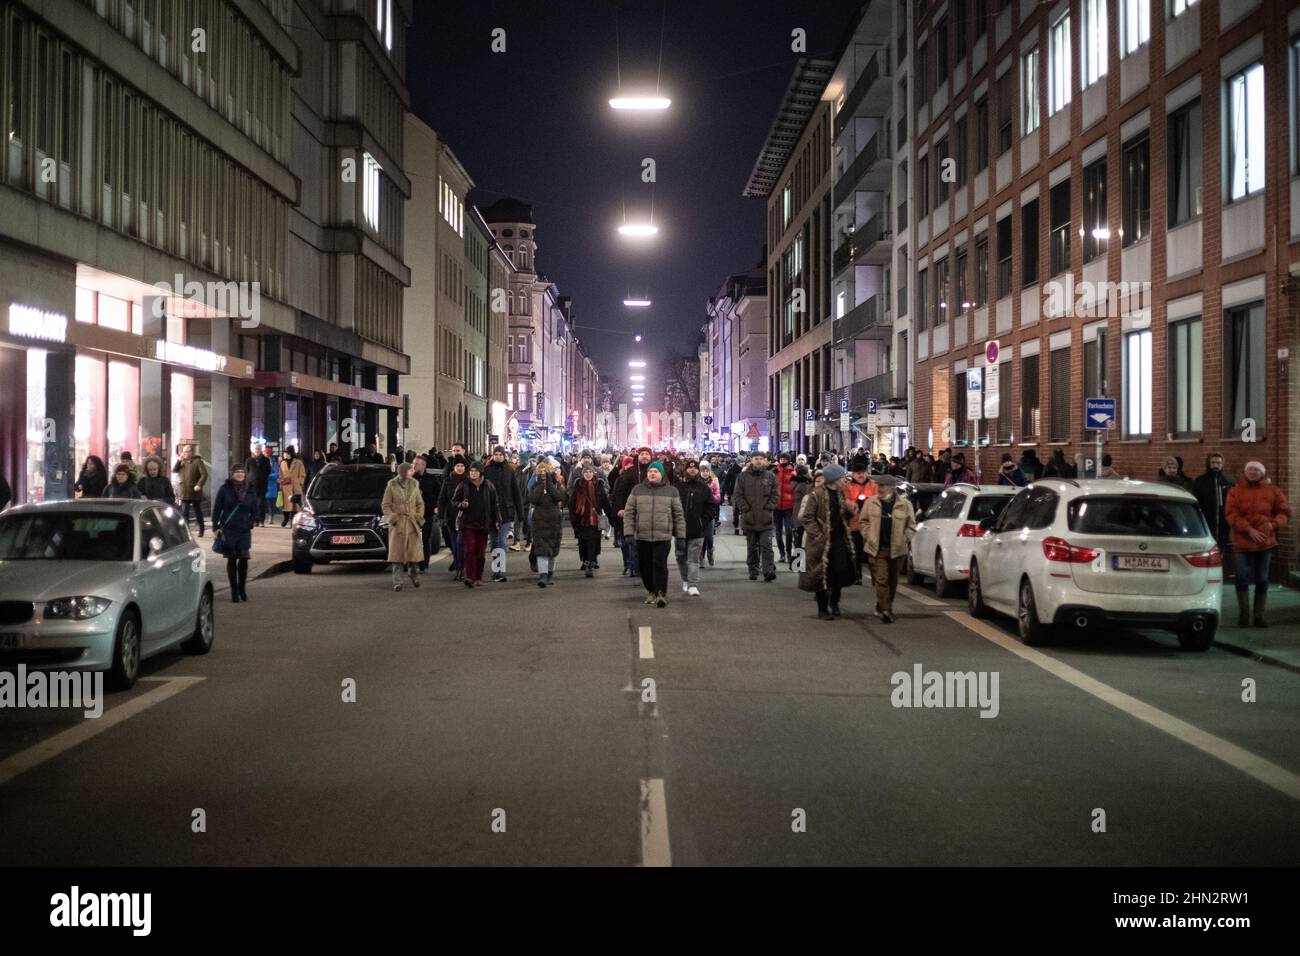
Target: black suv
{"points": [[341, 518]]}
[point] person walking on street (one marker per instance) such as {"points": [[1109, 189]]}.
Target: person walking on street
{"points": [[1031, 469], [293, 477], [755, 499], [429, 490], [1256, 510], [857, 488], [193, 471], [457, 475], [802, 485], [783, 513], [959, 472], [1108, 470], [729, 492], [1211, 491], [502, 475], [479, 514], [234, 511], [699, 510], [888, 524], [653, 518], [122, 485], [588, 500], [632, 474], [825, 516], [1009, 473], [1058, 467], [547, 499], [707, 476], [403, 509], [316, 465], [258, 470]]}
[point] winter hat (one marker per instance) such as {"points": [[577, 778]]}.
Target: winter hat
{"points": [[860, 463], [1256, 464], [801, 470], [886, 481], [833, 473], [1006, 457], [657, 466], [123, 468], [645, 448], [499, 450], [801, 458]]}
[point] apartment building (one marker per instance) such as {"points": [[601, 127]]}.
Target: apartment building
{"points": [[1122, 223], [736, 338]]}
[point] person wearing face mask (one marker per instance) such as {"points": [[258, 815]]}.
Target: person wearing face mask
{"points": [[1211, 491], [1255, 510], [888, 524], [653, 518], [825, 516]]}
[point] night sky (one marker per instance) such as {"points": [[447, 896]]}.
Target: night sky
{"points": [[534, 122]]}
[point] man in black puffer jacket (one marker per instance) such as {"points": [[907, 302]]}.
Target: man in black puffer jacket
{"points": [[700, 510], [509, 499]]}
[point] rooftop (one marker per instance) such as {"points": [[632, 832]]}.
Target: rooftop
{"points": [[797, 106]]}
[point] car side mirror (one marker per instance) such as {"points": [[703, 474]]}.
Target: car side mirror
{"points": [[988, 523]]}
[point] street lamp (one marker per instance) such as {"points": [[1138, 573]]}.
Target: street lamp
{"points": [[637, 303], [638, 337], [638, 230], [636, 363], [640, 102]]}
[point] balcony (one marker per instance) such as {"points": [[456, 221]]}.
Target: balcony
{"points": [[867, 245], [871, 94], [870, 170], [878, 387], [902, 215], [864, 321]]}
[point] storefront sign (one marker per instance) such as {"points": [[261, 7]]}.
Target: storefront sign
{"points": [[35, 324], [176, 354]]}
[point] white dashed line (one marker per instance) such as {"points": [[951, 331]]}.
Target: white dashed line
{"points": [[1265, 771], [647, 647], [654, 824]]}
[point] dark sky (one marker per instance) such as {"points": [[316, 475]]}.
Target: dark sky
{"points": [[534, 122]]}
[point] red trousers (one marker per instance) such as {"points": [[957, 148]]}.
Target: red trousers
{"points": [[473, 542]]}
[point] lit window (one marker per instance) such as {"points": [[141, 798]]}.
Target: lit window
{"points": [[1059, 65], [1135, 25], [1137, 383], [371, 192], [1244, 133], [1094, 40], [1029, 84]]}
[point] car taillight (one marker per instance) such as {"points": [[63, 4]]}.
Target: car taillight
{"points": [[969, 530], [1058, 549], [1205, 559]]}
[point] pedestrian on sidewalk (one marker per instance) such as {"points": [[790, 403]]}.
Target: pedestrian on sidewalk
{"points": [[707, 476], [293, 477], [825, 517], [632, 474], [403, 509], [448, 513], [783, 513], [258, 469], [1009, 473], [588, 501], [193, 471], [547, 499], [502, 475], [429, 490], [699, 510], [653, 518], [1255, 510], [122, 485], [1211, 491], [802, 485], [755, 498], [272, 497], [858, 487], [1171, 473], [479, 514], [888, 524], [234, 512]]}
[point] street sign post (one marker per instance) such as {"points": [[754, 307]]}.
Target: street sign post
{"points": [[1098, 415], [974, 394], [809, 422], [992, 348], [992, 388]]}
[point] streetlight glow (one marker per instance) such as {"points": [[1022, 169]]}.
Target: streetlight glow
{"points": [[638, 230], [636, 363], [636, 303], [640, 102]]}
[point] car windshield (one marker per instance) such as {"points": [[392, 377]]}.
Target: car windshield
{"points": [[66, 536], [1139, 517], [351, 485], [987, 506]]}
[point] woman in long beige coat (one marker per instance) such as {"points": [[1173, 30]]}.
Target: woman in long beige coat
{"points": [[403, 508], [293, 478]]}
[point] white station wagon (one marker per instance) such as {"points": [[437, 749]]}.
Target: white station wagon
{"points": [[1094, 553]]}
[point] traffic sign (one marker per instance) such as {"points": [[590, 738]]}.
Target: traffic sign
{"points": [[708, 419], [871, 406], [844, 419], [974, 393], [844, 405], [796, 406], [1098, 413], [810, 414], [991, 350]]}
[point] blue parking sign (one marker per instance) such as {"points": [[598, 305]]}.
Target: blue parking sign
{"points": [[1098, 413]]}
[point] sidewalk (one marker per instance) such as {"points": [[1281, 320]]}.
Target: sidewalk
{"points": [[270, 554], [1279, 643]]}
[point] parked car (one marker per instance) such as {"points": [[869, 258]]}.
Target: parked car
{"points": [[341, 518], [946, 533], [100, 584], [920, 495], [1093, 553]]}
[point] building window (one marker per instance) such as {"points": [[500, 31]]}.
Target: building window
{"points": [[982, 271], [962, 291], [1029, 242], [1060, 237], [1006, 109], [901, 272], [1185, 163], [1295, 104], [963, 151], [921, 317], [961, 15], [940, 292], [1177, 7], [1185, 386], [1094, 366], [1005, 415], [1136, 186], [1096, 230], [1244, 133], [371, 192], [1134, 25], [1059, 65], [941, 157], [1244, 366], [1029, 114], [923, 185], [1137, 383], [1094, 40], [941, 51], [1031, 418], [787, 205], [982, 134], [1004, 257], [1058, 384]]}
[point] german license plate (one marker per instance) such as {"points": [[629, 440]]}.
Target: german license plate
{"points": [[347, 538], [1139, 562], [10, 641]]}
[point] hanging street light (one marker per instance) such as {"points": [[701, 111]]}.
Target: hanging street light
{"points": [[637, 303], [640, 102], [638, 230]]}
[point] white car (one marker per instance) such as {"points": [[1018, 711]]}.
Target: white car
{"points": [[1094, 553], [947, 532]]}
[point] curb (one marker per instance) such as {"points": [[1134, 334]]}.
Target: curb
{"points": [[1256, 656]]}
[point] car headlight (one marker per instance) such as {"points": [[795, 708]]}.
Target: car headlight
{"points": [[77, 608], [305, 520]]}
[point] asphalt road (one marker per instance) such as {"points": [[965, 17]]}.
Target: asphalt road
{"points": [[513, 726]]}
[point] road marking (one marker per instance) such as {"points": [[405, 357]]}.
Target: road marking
{"points": [[1265, 771], [65, 740], [654, 824], [646, 646], [920, 598]]}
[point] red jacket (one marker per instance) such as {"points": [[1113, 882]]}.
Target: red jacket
{"points": [[1260, 507], [784, 487]]}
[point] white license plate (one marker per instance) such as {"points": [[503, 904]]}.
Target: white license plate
{"points": [[1139, 562], [347, 539], [10, 642]]}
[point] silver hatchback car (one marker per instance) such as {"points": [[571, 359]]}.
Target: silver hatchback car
{"points": [[99, 584]]}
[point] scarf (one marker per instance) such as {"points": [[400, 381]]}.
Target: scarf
{"points": [[588, 502]]}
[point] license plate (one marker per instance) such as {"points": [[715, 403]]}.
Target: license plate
{"points": [[347, 539], [1139, 562], [10, 642]]}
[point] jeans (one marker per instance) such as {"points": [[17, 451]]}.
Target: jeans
{"points": [[689, 552], [758, 551], [197, 505], [783, 525], [545, 566], [1252, 567], [631, 557], [502, 537], [708, 537], [653, 558], [454, 543]]}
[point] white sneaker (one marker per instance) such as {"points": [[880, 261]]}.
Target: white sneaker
{"points": [[694, 591], [685, 587]]}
